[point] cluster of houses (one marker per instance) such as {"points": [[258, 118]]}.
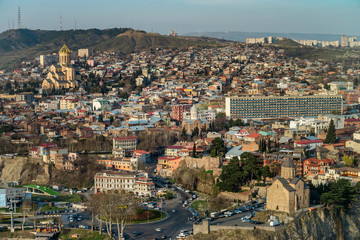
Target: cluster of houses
{"points": [[179, 91]]}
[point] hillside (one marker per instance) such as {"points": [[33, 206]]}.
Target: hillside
{"points": [[19, 44], [286, 43], [136, 40], [320, 224]]}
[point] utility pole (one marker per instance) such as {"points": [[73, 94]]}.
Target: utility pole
{"points": [[60, 22], [12, 217], [19, 18]]}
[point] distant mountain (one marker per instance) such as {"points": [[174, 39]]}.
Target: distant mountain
{"points": [[20, 44], [241, 36]]}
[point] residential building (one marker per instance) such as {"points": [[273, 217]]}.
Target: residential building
{"points": [[167, 165], [124, 145], [314, 166], [177, 111], [281, 106]]}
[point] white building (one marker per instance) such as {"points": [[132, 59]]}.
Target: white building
{"points": [[136, 182], [100, 103]]}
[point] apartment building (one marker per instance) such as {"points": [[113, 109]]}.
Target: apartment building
{"points": [[124, 144], [177, 111], [282, 106]]}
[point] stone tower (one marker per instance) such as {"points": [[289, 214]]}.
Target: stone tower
{"points": [[64, 55], [288, 169], [193, 113]]}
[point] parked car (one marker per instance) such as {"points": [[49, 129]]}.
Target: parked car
{"points": [[255, 222]]}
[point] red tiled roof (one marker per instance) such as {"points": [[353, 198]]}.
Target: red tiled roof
{"points": [[253, 135]]}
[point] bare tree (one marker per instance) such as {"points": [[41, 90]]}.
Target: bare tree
{"points": [[111, 207], [26, 207], [125, 206]]}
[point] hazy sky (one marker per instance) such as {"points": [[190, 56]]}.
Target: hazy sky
{"points": [[284, 16]]}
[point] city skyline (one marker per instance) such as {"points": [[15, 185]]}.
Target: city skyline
{"points": [[327, 17]]}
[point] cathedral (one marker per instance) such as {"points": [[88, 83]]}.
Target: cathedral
{"points": [[287, 193], [62, 75]]}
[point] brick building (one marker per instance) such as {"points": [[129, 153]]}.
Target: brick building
{"points": [[177, 111]]}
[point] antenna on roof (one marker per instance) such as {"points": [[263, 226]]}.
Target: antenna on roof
{"points": [[75, 24], [9, 23], [19, 18], [60, 23], [13, 26]]}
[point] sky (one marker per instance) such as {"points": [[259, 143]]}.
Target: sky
{"points": [[184, 16]]}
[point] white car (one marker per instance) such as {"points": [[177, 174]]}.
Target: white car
{"points": [[158, 229]]}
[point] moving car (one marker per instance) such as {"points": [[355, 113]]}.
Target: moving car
{"points": [[158, 229]]}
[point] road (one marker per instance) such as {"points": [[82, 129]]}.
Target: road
{"points": [[170, 226]]}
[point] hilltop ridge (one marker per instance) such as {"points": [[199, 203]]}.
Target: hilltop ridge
{"points": [[19, 44]]}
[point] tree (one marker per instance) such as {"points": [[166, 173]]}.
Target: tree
{"points": [[111, 119], [217, 147], [194, 151], [125, 206], [26, 207], [113, 206], [275, 168], [349, 161], [268, 145], [101, 118], [250, 166], [195, 133], [356, 82], [183, 134], [231, 176], [331, 135], [340, 196], [265, 172]]}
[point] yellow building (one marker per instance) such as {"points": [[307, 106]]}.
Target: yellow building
{"points": [[61, 75]]}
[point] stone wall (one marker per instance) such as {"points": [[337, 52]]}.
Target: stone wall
{"points": [[208, 163], [244, 196], [203, 227]]}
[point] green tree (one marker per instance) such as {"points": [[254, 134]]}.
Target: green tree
{"points": [[238, 122], [265, 172], [195, 133], [100, 118], [250, 166], [268, 145], [194, 151], [231, 176], [261, 146], [217, 148], [183, 135], [331, 135], [111, 119], [340, 196]]}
